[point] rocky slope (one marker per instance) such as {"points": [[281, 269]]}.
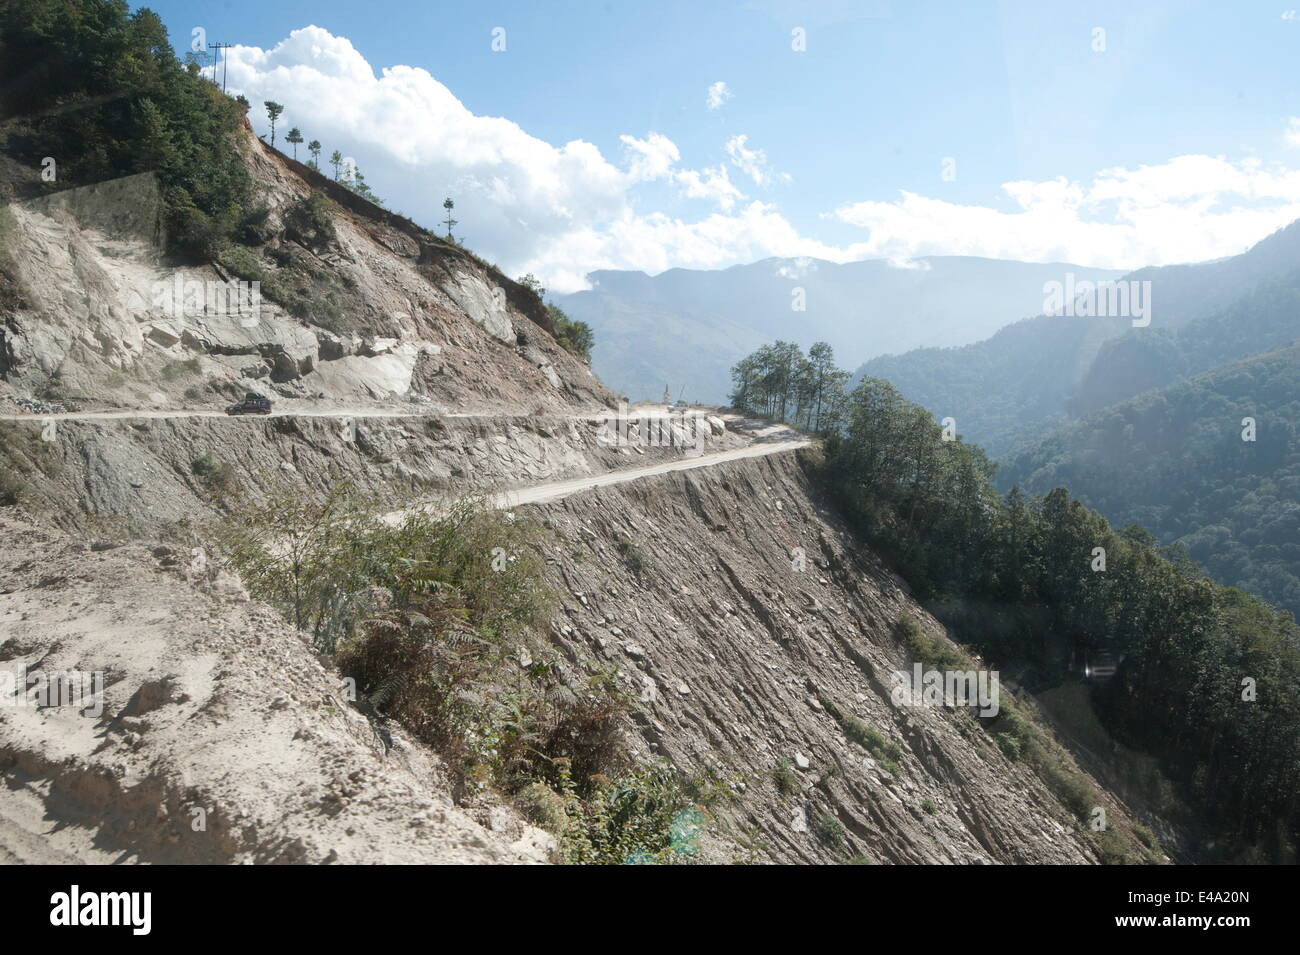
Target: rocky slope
{"points": [[735, 655], [683, 584], [380, 311]]}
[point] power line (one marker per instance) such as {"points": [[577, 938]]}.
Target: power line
{"points": [[224, 67]]}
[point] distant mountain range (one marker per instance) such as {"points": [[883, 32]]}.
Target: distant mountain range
{"points": [[684, 329], [1013, 388]]}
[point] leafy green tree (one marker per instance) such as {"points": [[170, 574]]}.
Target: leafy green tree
{"points": [[313, 147], [336, 160], [533, 283], [100, 86], [450, 222], [573, 335], [294, 136]]}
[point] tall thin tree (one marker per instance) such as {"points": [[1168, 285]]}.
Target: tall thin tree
{"points": [[273, 111], [449, 205]]}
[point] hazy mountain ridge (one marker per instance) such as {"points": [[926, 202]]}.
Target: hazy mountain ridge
{"points": [[693, 323], [1014, 387]]}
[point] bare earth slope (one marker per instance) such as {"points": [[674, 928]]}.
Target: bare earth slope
{"points": [[213, 703]]}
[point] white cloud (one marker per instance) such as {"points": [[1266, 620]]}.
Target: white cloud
{"points": [[713, 184], [558, 211], [657, 242], [717, 95], [562, 211], [650, 158], [752, 162], [1188, 209], [1293, 131]]}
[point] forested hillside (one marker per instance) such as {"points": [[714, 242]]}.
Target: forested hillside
{"points": [[1034, 581], [1178, 462], [98, 89], [1008, 389], [1268, 317]]}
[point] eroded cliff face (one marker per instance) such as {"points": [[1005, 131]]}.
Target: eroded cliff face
{"points": [[746, 666], [381, 311], [734, 654]]}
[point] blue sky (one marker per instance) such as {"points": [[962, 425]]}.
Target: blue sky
{"points": [[835, 137]]}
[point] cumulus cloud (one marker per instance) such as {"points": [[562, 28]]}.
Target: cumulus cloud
{"points": [[558, 211], [650, 158], [561, 211], [713, 184], [1188, 209], [752, 162], [717, 95], [657, 242]]}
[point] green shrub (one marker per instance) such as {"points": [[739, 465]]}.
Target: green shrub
{"points": [[254, 227], [310, 221], [928, 806], [786, 778], [829, 831], [1114, 849], [1011, 731], [1146, 837], [573, 336], [642, 817], [888, 754], [544, 807], [12, 488], [633, 557], [243, 263], [213, 472], [931, 651]]}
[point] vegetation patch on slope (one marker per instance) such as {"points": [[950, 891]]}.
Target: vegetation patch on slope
{"points": [[436, 618]]}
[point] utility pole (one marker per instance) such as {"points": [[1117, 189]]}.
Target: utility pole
{"points": [[219, 46]]}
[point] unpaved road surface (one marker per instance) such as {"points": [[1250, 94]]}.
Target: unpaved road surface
{"points": [[311, 411], [556, 490]]}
